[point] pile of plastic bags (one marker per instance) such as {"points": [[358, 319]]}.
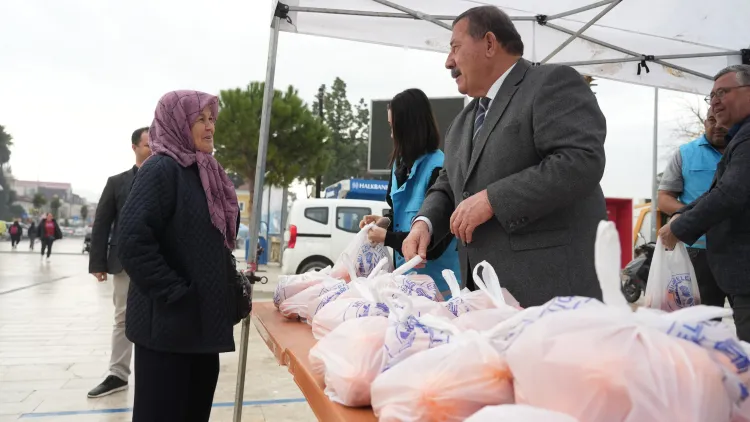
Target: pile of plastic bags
{"points": [[388, 339]]}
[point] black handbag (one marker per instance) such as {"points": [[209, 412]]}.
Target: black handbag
{"points": [[240, 292]]}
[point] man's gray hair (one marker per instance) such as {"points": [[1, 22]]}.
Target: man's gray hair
{"points": [[484, 19], [741, 71]]}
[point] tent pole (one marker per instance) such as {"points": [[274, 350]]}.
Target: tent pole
{"points": [[626, 51], [654, 160], [638, 59], [579, 10], [580, 31], [260, 171], [330, 11], [415, 13]]}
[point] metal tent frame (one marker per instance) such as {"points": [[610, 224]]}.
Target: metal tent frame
{"points": [[282, 12]]}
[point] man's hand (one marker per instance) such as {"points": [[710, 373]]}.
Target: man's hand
{"points": [[368, 219], [376, 235], [668, 239], [100, 277], [470, 214], [417, 241]]}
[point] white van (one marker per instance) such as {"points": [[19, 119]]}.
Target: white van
{"points": [[318, 230]]}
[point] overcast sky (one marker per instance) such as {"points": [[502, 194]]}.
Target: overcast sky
{"points": [[77, 77]]}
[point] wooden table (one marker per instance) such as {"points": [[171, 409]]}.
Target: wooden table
{"points": [[291, 341]]}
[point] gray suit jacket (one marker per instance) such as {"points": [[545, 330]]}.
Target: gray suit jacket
{"points": [[540, 155], [103, 255]]}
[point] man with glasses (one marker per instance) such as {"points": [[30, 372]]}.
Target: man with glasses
{"points": [[723, 213], [688, 176]]}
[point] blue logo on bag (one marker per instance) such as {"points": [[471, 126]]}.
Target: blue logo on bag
{"points": [[679, 291], [368, 258]]}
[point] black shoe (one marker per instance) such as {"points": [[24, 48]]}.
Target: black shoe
{"points": [[110, 385]]}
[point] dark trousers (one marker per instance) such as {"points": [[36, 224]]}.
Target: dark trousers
{"points": [[711, 293], [741, 308], [47, 244], [31, 242], [174, 386], [14, 240]]}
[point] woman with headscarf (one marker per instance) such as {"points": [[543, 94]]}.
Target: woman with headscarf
{"points": [[177, 232]]}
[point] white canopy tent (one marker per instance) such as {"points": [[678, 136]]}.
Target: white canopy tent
{"points": [[673, 44]]}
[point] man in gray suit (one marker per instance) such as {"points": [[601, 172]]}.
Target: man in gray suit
{"points": [[103, 259], [523, 161]]}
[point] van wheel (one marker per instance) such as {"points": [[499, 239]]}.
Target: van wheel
{"points": [[313, 266]]}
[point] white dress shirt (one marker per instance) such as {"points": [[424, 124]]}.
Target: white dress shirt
{"points": [[491, 94]]}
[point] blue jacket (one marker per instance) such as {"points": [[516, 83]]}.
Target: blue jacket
{"points": [[699, 161], [407, 200]]}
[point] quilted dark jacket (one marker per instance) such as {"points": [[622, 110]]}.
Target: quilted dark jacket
{"points": [[177, 262]]}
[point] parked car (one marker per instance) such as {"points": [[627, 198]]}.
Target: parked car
{"points": [[318, 230]]}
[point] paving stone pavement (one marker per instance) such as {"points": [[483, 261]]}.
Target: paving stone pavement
{"points": [[55, 327]]}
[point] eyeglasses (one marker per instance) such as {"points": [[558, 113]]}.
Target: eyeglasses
{"points": [[721, 92]]}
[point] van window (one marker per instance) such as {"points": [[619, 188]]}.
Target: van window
{"points": [[348, 218], [319, 215]]}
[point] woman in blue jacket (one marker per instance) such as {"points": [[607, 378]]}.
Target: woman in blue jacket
{"points": [[416, 161]]}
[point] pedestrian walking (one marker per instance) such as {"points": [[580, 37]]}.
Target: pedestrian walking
{"points": [[32, 234], [15, 230], [48, 231]]}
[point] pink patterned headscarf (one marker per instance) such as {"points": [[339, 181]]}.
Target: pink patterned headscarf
{"points": [[170, 135]]}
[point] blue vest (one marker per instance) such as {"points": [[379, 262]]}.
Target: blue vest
{"points": [[407, 200], [699, 160]]}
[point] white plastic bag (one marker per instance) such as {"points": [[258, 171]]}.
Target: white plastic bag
{"points": [[361, 256], [369, 303], [671, 279], [446, 383], [605, 363], [290, 285], [349, 358], [317, 303], [490, 294], [296, 306], [598, 365], [518, 413], [408, 335]]}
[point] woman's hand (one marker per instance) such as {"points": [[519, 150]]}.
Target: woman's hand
{"points": [[367, 220], [376, 235]]}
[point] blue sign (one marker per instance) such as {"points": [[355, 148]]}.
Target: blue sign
{"points": [[373, 190], [369, 186]]}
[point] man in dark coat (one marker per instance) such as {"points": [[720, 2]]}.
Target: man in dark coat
{"points": [[103, 259], [523, 161], [723, 213]]}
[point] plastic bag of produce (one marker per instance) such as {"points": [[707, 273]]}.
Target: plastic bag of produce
{"points": [[317, 303], [671, 279], [518, 413], [484, 319], [490, 294], [607, 363], [349, 358], [297, 305], [361, 257], [600, 366], [370, 303], [408, 334], [290, 285], [446, 383]]}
